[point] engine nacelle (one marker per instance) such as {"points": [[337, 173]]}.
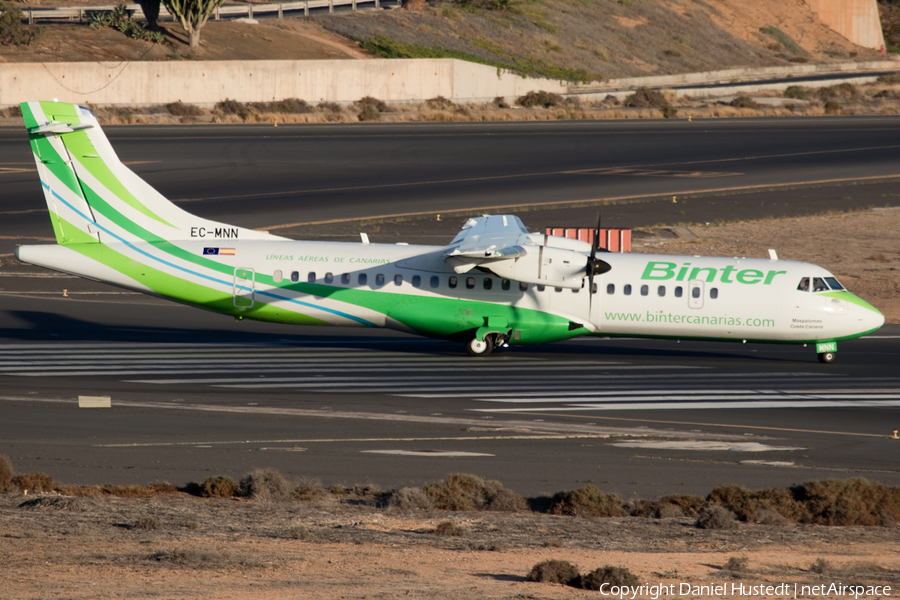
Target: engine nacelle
{"points": [[554, 267]]}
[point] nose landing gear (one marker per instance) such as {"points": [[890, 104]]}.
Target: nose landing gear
{"points": [[826, 357]]}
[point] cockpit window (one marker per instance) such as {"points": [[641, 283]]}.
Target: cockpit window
{"points": [[804, 285], [819, 285], [833, 283]]}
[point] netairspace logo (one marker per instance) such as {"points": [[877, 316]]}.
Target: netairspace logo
{"points": [[782, 590]]}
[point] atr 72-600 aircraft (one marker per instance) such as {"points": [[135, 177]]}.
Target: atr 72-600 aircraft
{"points": [[495, 284]]}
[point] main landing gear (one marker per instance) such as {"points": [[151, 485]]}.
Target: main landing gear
{"points": [[476, 347]]}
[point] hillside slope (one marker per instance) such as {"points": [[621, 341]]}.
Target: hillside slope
{"points": [[603, 39]]}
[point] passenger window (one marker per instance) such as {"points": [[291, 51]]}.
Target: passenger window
{"points": [[345, 278], [541, 288], [470, 282], [379, 279], [713, 293], [398, 279], [819, 285], [523, 286], [452, 282], [329, 277], [611, 288], [295, 276], [435, 281], [645, 290], [626, 289], [678, 291], [416, 281], [804, 285], [504, 284], [311, 278], [362, 279], [276, 276], [488, 283], [661, 291], [833, 283], [695, 292]]}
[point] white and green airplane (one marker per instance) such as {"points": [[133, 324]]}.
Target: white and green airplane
{"points": [[495, 284]]}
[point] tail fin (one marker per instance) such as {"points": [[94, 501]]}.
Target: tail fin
{"points": [[93, 197]]}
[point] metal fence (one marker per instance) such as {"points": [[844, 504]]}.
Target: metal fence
{"points": [[231, 11]]}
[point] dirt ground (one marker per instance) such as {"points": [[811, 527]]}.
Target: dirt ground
{"points": [[185, 547]]}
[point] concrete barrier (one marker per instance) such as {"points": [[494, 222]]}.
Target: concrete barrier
{"points": [[207, 82], [856, 20]]}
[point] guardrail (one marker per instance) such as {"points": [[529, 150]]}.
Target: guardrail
{"points": [[81, 14]]}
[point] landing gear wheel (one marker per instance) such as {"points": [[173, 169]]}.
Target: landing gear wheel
{"points": [[477, 348], [826, 357]]}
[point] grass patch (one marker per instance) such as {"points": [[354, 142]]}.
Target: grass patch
{"points": [[795, 92], [783, 38]]}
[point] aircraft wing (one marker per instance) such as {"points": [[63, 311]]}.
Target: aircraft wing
{"points": [[502, 245]]}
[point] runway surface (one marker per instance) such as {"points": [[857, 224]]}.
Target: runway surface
{"points": [[196, 394]]}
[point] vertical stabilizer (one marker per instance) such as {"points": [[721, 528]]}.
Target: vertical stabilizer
{"points": [[93, 197]]}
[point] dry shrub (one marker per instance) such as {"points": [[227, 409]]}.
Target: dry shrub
{"points": [[7, 473], [646, 98], [892, 79], [439, 103], [298, 532], [820, 566], [878, 258], [745, 102], [716, 517], [539, 98], [736, 564], [310, 489], [833, 108], [410, 498], [767, 516], [190, 559], [218, 486], [332, 107], [56, 503], [265, 485], [554, 571], [233, 107], [848, 502], [180, 109], [746, 504], [35, 482], [669, 507], [450, 529], [369, 114], [614, 576], [500, 102], [668, 111], [461, 491], [373, 103], [841, 90], [588, 501], [146, 524], [288, 106]]}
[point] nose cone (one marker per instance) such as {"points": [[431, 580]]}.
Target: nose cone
{"points": [[870, 318]]}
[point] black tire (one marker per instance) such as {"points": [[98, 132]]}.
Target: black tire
{"points": [[826, 357], [476, 348]]}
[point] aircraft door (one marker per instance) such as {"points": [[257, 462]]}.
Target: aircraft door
{"points": [[695, 294], [244, 287]]}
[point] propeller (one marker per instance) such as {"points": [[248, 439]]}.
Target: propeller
{"points": [[595, 266]]}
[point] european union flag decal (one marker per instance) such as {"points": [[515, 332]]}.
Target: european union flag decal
{"points": [[210, 251]]}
